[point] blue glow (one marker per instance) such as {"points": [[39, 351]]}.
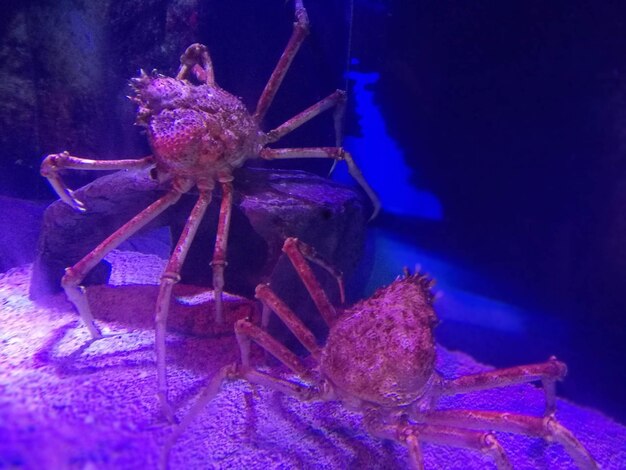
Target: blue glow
{"points": [[383, 164], [454, 303], [381, 159]]}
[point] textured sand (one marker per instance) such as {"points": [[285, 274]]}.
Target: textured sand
{"points": [[68, 403]]}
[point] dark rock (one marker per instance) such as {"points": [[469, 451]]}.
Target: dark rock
{"points": [[19, 228], [67, 235], [269, 206]]}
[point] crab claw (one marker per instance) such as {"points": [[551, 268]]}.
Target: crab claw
{"points": [[50, 169], [358, 177], [69, 198], [66, 194]]}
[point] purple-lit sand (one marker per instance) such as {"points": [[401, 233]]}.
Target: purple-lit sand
{"points": [[66, 403]]}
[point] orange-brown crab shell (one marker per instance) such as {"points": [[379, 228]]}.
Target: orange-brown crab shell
{"points": [[195, 131], [398, 318]]}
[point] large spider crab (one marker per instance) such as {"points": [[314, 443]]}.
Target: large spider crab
{"points": [[199, 134], [379, 359]]}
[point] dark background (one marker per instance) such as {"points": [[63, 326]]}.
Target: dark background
{"points": [[511, 113]]}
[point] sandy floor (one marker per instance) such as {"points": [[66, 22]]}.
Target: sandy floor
{"points": [[68, 403]]}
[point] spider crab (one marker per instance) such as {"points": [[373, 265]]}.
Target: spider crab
{"points": [[379, 359], [198, 134]]}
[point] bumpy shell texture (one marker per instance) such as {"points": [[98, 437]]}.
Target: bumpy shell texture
{"points": [[194, 129], [382, 349]]}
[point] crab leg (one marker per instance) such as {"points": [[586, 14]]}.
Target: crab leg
{"points": [[547, 428], [170, 277], [300, 31], [221, 243], [336, 99], [336, 153], [226, 374], [286, 387], [59, 161], [412, 434], [295, 249], [266, 295], [246, 331], [197, 54], [548, 372], [298, 252], [74, 275]]}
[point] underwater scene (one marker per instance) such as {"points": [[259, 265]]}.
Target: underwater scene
{"points": [[312, 234]]}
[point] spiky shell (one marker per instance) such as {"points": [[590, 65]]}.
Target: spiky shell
{"points": [[382, 349], [195, 131]]}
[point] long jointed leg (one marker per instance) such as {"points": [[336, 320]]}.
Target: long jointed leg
{"points": [[246, 331], [226, 373], [53, 163], [412, 434], [266, 295], [170, 277], [229, 373], [75, 275], [298, 252], [548, 372], [197, 55], [300, 31], [546, 427], [336, 153], [221, 244], [336, 99]]}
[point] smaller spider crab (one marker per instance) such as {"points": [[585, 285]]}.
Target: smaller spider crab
{"points": [[199, 134], [379, 359]]}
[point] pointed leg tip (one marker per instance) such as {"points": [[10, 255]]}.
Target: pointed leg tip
{"points": [[167, 411], [375, 213], [96, 334], [79, 206]]}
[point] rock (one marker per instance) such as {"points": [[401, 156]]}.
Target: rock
{"points": [[66, 235], [19, 228], [269, 205]]}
